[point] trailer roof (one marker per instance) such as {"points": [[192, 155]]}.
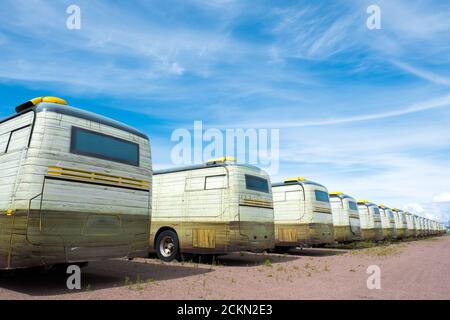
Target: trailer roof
{"points": [[340, 195], [366, 203], [79, 113], [202, 166], [293, 182]]}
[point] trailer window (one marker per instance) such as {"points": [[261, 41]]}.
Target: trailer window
{"points": [[376, 211], [4, 142], [98, 145], [352, 205], [256, 183], [216, 182], [321, 196], [18, 139], [195, 183]]}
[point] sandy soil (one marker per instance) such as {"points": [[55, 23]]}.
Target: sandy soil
{"points": [[409, 270]]}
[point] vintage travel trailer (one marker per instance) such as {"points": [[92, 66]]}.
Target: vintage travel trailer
{"points": [[345, 217], [400, 223], [370, 218], [75, 186], [421, 227], [212, 208], [417, 225], [433, 227], [437, 228], [410, 224], [387, 222], [302, 214], [426, 226]]}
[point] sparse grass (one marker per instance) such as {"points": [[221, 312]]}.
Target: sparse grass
{"points": [[267, 262], [127, 281], [138, 284], [383, 251]]}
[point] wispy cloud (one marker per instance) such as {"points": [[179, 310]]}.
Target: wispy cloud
{"points": [[424, 74], [439, 102]]}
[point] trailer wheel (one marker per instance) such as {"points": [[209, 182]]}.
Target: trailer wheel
{"points": [[167, 246], [282, 250]]}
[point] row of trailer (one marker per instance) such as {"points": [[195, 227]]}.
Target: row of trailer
{"points": [[76, 187]]}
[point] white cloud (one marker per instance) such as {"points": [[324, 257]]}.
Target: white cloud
{"points": [[414, 207], [442, 197], [176, 69]]}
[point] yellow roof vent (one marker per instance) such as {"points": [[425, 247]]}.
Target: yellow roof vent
{"points": [[296, 179], [221, 160], [363, 201], [35, 101], [336, 193]]}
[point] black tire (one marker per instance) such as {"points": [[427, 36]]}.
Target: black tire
{"points": [[282, 250], [167, 246]]}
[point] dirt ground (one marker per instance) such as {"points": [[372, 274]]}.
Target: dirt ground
{"points": [[409, 270]]}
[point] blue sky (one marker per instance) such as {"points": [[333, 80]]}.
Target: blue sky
{"points": [[363, 111]]}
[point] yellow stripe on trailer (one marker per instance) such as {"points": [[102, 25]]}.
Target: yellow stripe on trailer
{"points": [[90, 176], [295, 179]]}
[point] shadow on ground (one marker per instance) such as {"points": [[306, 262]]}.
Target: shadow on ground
{"points": [[245, 259], [316, 252], [253, 259], [97, 275]]}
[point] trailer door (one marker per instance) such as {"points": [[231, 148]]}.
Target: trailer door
{"points": [[14, 138]]}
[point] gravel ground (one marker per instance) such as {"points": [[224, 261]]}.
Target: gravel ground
{"points": [[409, 270]]}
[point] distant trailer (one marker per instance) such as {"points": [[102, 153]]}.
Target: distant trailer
{"points": [[416, 219], [433, 227], [400, 223], [302, 214], [75, 187], [387, 222], [420, 226], [410, 224], [345, 217], [213, 208], [369, 215], [426, 226]]}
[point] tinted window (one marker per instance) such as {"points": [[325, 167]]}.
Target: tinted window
{"points": [[376, 211], [256, 183], [352, 205], [94, 144], [322, 196]]}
